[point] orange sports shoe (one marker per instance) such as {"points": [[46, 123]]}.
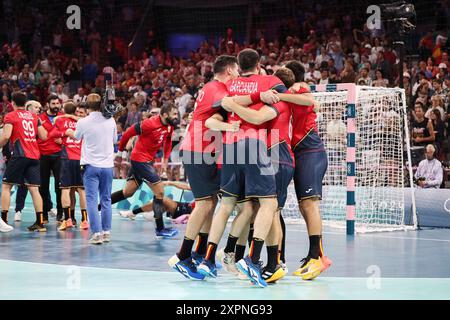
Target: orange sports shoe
{"points": [[84, 225]]}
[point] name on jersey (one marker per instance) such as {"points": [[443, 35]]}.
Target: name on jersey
{"points": [[243, 87], [69, 124], [25, 115]]}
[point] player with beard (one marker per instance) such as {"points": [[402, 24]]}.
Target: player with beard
{"points": [[153, 133]]}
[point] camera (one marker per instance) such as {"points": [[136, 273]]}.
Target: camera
{"points": [[110, 106], [399, 16]]}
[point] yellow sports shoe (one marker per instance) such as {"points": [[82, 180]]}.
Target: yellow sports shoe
{"points": [[63, 226], [271, 277], [310, 269]]}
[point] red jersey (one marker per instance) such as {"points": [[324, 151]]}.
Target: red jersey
{"points": [[153, 134], [71, 148], [303, 121], [246, 86], [279, 127], [23, 141], [48, 146], [198, 137]]}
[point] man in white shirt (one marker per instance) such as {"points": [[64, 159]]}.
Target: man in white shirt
{"points": [[140, 92], [312, 73], [61, 95], [429, 174], [99, 135], [79, 97]]}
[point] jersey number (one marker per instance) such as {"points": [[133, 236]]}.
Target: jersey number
{"points": [[28, 128]]}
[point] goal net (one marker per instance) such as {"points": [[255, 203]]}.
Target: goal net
{"points": [[364, 130]]}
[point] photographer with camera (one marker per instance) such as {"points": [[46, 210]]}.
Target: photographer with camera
{"points": [[429, 174], [99, 134]]}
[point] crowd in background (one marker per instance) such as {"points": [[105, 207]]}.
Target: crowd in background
{"points": [[331, 50]]}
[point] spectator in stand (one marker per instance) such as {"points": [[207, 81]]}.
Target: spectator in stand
{"points": [[422, 130], [134, 116], [73, 76], [61, 95], [429, 174], [324, 76], [380, 81], [364, 78], [348, 74], [439, 133], [89, 71], [79, 97], [5, 105], [437, 103], [312, 75]]}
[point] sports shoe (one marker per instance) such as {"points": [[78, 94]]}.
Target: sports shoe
{"points": [[4, 227], [53, 212], [69, 223], [148, 215], [326, 262], [18, 216], [96, 238], [228, 261], [208, 269], [166, 233], [106, 236], [197, 258], [37, 227], [310, 268], [84, 225], [63, 226], [186, 267], [252, 271], [127, 214], [271, 276]]}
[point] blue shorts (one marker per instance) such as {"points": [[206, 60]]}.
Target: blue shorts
{"points": [[247, 170], [70, 175], [310, 168], [143, 172], [204, 178], [283, 165]]}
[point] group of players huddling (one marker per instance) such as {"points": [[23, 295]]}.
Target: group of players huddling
{"points": [[250, 135]]}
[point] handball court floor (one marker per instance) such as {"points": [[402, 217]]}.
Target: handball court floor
{"points": [[62, 265]]}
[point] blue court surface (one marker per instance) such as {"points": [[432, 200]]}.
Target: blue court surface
{"points": [[62, 265]]}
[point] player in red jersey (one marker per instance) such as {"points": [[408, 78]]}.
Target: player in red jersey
{"points": [[200, 149], [278, 118], [21, 128], [50, 157], [310, 167], [70, 177], [153, 133]]}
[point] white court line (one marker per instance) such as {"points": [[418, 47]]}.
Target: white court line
{"points": [[381, 237]]}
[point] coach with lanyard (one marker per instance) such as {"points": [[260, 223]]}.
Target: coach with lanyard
{"points": [[99, 135]]}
